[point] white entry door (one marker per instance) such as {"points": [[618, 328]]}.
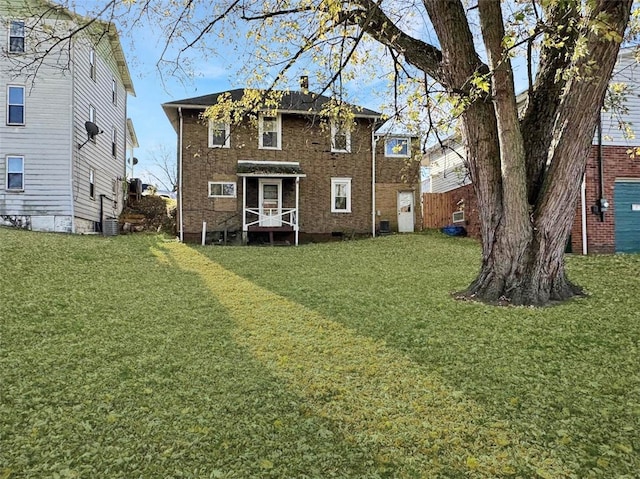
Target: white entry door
{"points": [[405, 212], [270, 202]]}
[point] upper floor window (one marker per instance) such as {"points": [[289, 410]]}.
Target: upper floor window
{"points": [[114, 144], [340, 137], [397, 146], [219, 133], [341, 195], [114, 91], [15, 173], [16, 37], [92, 64], [270, 131], [222, 189], [15, 105]]}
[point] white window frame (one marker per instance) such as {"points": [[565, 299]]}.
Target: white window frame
{"points": [[227, 133], [92, 64], [9, 104], [278, 131], [10, 36], [388, 147], [92, 183], [335, 182], [8, 172], [335, 130], [223, 183]]}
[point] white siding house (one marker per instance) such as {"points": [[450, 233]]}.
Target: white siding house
{"points": [[620, 127], [51, 177], [446, 167]]}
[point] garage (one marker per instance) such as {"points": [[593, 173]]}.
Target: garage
{"points": [[627, 215]]}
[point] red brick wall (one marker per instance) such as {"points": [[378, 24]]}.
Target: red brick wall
{"points": [[304, 141], [617, 163]]}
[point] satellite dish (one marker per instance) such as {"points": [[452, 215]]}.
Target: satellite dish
{"points": [[92, 129]]}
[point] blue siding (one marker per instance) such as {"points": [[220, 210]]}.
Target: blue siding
{"points": [[627, 216]]}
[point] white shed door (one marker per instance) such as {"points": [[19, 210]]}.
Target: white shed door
{"points": [[405, 212]]}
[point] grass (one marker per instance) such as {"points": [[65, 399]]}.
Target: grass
{"points": [[135, 357]]}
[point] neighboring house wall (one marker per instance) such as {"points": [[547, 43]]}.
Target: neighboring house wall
{"points": [[108, 170], [58, 94], [43, 141], [618, 166], [447, 170]]}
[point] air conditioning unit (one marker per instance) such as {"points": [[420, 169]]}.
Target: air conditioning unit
{"points": [[458, 217]]}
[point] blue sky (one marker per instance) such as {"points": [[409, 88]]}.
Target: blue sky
{"points": [[143, 45]]}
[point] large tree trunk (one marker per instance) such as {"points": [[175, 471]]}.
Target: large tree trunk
{"points": [[517, 271], [526, 172]]}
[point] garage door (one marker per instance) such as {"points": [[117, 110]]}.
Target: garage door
{"points": [[627, 216]]}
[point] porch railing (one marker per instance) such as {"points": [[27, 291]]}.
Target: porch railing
{"points": [[285, 216]]}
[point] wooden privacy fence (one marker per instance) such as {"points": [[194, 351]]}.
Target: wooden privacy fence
{"points": [[436, 210]]}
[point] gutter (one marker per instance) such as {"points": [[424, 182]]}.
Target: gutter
{"points": [[181, 229]]}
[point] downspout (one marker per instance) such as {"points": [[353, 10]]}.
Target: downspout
{"points": [[600, 170], [72, 140], [583, 202], [180, 174], [373, 179]]}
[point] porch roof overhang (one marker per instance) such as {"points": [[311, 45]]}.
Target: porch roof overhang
{"points": [[271, 169]]}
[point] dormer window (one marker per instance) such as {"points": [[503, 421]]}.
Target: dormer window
{"points": [[397, 147], [340, 137], [16, 37], [219, 133], [270, 132]]}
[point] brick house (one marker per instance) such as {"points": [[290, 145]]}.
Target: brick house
{"points": [[607, 218], [291, 175]]}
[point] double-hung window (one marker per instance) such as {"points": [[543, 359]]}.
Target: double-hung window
{"points": [[397, 147], [15, 173], [222, 189], [16, 36], [341, 195], [340, 137], [219, 134], [270, 132], [15, 105]]}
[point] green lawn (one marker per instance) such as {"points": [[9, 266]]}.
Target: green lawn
{"points": [[136, 357]]}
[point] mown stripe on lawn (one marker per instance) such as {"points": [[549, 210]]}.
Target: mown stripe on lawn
{"points": [[379, 399]]}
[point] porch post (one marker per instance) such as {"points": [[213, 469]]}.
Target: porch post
{"points": [[295, 226], [244, 211]]}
